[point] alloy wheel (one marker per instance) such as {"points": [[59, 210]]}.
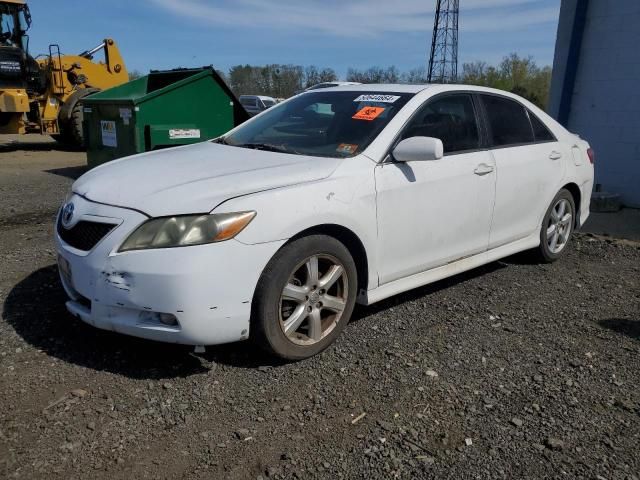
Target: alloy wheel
{"points": [[313, 300], [559, 226]]}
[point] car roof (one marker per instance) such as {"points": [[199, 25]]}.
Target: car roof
{"points": [[415, 88], [261, 97], [379, 88], [337, 82]]}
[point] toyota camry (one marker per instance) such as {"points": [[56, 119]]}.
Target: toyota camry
{"points": [[275, 230]]}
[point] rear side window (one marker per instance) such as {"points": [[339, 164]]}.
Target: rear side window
{"points": [[451, 118], [540, 130], [248, 101], [508, 121]]}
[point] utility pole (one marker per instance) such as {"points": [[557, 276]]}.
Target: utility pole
{"points": [[443, 61]]}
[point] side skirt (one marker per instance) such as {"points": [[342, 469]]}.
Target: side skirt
{"points": [[438, 273]]}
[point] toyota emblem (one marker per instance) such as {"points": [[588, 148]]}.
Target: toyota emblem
{"points": [[67, 214]]}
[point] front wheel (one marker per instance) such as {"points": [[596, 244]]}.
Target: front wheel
{"points": [[71, 134], [557, 227], [304, 298], [70, 118]]}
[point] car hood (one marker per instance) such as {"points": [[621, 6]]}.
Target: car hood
{"points": [[196, 178]]}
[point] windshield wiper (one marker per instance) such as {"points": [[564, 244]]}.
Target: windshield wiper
{"points": [[266, 147]]}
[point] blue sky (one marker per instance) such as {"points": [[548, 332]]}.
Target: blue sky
{"points": [[158, 34]]}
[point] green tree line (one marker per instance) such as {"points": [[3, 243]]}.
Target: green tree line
{"points": [[520, 75], [275, 80]]}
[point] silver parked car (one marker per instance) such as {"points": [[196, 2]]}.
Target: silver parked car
{"points": [[254, 104]]}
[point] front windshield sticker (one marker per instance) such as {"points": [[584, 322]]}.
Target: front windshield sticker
{"points": [[377, 98], [368, 113], [347, 148]]}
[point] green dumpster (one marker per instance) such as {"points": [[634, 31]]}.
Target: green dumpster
{"points": [[162, 109]]}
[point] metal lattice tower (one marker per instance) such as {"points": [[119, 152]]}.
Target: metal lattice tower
{"points": [[443, 61]]}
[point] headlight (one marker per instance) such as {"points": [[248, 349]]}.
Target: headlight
{"points": [[185, 230]]}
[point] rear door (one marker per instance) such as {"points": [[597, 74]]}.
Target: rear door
{"points": [[529, 165]]}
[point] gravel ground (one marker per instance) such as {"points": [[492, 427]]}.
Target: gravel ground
{"points": [[513, 370]]}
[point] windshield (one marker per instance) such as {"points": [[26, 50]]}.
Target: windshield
{"points": [[324, 124], [7, 26], [12, 24]]}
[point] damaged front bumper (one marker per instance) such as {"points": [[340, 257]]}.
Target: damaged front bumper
{"points": [[197, 295]]}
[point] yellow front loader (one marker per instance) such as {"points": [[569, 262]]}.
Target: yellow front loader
{"points": [[42, 94]]}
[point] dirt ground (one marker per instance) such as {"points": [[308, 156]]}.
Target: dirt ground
{"points": [[513, 370]]}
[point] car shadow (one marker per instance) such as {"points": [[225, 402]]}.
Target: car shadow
{"points": [[624, 326], [35, 309], [45, 146], [28, 218], [406, 170], [69, 172], [362, 311], [528, 257]]}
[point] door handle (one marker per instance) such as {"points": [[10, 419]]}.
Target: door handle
{"points": [[483, 169], [555, 155]]}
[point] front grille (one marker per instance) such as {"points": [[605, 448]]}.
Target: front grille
{"points": [[84, 235]]}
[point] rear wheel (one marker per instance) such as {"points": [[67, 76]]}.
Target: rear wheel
{"points": [[557, 227], [304, 298]]}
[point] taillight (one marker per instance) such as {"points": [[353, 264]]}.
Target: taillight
{"points": [[592, 155]]}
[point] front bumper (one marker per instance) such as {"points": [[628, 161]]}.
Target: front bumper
{"points": [[208, 288]]}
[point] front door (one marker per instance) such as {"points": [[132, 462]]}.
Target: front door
{"points": [[431, 213]]}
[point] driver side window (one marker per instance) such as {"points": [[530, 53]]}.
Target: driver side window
{"points": [[450, 118]]}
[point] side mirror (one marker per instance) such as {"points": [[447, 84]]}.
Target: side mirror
{"points": [[416, 149]]}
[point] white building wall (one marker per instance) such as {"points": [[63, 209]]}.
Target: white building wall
{"points": [[605, 106]]}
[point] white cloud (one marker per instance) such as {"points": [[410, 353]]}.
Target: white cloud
{"points": [[500, 21], [356, 18]]}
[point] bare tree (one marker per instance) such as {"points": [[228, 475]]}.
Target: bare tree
{"points": [[415, 75], [135, 74], [374, 75], [328, 75], [311, 76], [276, 80]]}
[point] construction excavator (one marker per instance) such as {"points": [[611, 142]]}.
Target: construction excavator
{"points": [[43, 94]]}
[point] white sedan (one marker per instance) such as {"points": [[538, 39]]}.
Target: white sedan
{"points": [[353, 194]]}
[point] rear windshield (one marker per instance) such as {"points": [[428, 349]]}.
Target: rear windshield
{"points": [[323, 85], [248, 101], [321, 123]]}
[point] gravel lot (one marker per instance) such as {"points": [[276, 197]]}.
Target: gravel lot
{"points": [[514, 370]]}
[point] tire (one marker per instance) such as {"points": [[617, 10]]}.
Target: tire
{"points": [[293, 317], [71, 133], [70, 119], [557, 227]]}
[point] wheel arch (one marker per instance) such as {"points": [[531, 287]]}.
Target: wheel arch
{"points": [[70, 119], [350, 240], [574, 190], [64, 115]]}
